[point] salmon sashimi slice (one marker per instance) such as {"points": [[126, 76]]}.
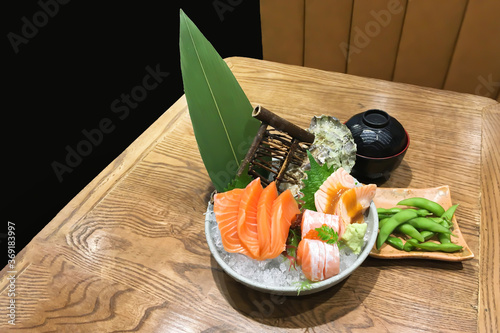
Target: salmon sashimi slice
{"points": [[332, 260], [247, 218], [318, 259], [284, 210], [353, 203], [329, 193], [226, 208], [264, 218], [312, 220]]}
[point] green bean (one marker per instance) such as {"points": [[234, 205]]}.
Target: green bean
{"points": [[410, 230], [395, 242], [427, 224], [392, 223], [430, 205], [430, 246]]}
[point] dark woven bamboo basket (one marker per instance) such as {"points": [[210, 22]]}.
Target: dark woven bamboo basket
{"points": [[278, 146]]}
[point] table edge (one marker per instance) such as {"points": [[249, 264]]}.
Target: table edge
{"points": [[489, 234]]}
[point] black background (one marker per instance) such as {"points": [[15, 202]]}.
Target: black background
{"points": [[64, 79]]}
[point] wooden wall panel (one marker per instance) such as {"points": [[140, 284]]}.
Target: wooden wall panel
{"points": [[475, 67], [428, 40], [375, 34], [282, 23], [327, 26]]}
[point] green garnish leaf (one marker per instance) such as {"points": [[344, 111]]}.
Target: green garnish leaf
{"points": [[220, 111], [327, 234], [303, 285], [316, 176], [293, 242], [240, 182]]}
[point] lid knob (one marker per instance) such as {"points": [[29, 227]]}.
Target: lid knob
{"points": [[375, 118]]}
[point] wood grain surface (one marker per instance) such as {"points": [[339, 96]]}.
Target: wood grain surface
{"points": [[128, 253], [489, 275]]}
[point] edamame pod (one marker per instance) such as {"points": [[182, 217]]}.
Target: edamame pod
{"points": [[428, 234], [393, 223], [384, 216], [389, 210], [410, 230], [421, 212], [382, 222], [408, 246], [431, 246], [444, 238], [448, 215], [423, 203], [427, 224], [395, 242]]}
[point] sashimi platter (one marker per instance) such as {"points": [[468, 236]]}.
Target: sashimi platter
{"points": [[299, 238], [286, 216]]}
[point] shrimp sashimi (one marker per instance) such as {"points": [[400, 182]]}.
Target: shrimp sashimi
{"points": [[226, 207], [318, 259], [329, 193], [247, 218], [284, 210], [264, 217], [353, 203]]}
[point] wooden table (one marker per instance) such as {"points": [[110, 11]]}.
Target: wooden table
{"points": [[128, 253]]}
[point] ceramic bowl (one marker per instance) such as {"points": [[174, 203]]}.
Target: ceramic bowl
{"points": [[371, 218], [381, 143]]}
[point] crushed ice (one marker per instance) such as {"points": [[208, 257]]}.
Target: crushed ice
{"points": [[272, 272]]}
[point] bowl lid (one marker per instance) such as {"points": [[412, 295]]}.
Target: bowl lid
{"points": [[377, 134]]}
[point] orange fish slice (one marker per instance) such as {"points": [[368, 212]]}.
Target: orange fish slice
{"points": [[247, 218], [319, 260], [226, 207], [312, 220], [284, 210], [264, 217], [352, 205], [329, 193]]}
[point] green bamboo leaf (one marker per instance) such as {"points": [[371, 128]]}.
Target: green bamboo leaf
{"points": [[220, 111]]}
